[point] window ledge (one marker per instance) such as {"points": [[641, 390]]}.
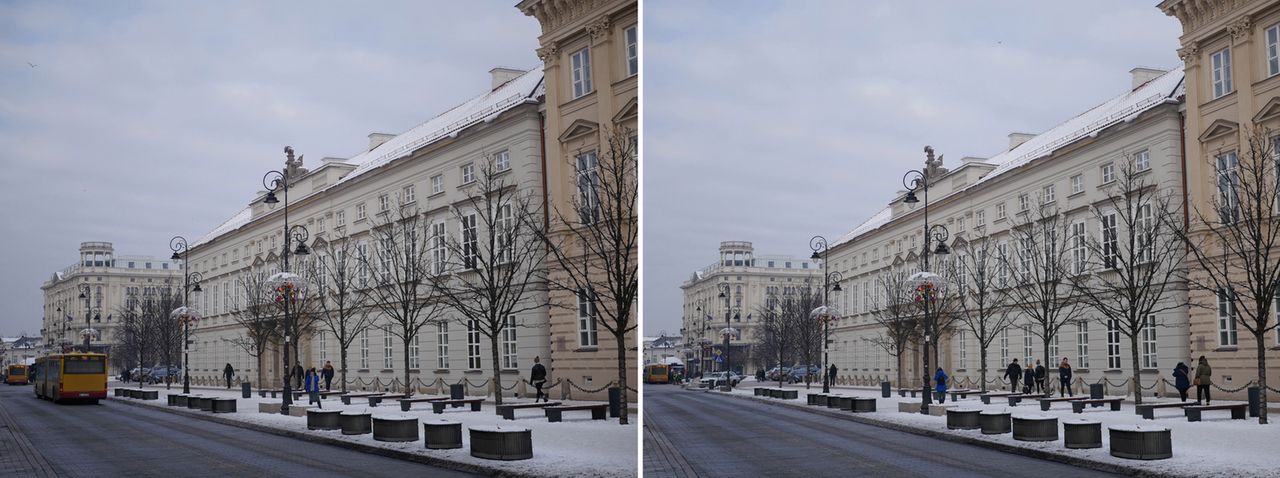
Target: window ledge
{"points": [[363, 370], [1230, 348], [437, 193], [387, 370], [510, 371], [1077, 193], [442, 371], [587, 349], [1113, 370], [473, 371], [1079, 370]]}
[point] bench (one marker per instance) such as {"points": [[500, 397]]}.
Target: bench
{"points": [[1194, 411], [508, 410], [986, 397], [961, 393], [1148, 410], [902, 392], [407, 402], [1077, 406], [1045, 403], [598, 410], [1017, 398], [346, 398], [374, 400], [438, 405]]}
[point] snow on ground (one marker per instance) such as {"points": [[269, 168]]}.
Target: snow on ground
{"points": [[577, 446], [1217, 446]]}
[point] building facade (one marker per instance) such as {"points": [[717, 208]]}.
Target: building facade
{"points": [[428, 172], [20, 350], [110, 281], [1067, 170], [1229, 49], [590, 52], [750, 280]]}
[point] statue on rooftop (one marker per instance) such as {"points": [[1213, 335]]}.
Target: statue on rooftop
{"points": [[933, 169], [293, 167]]}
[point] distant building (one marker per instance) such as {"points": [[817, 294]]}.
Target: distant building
{"points": [[19, 350], [663, 349]]}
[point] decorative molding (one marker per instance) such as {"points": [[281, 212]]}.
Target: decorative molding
{"points": [[1194, 14], [553, 14], [1218, 129], [549, 54], [1240, 30], [1269, 111], [1190, 54], [628, 111], [599, 29], [578, 129]]}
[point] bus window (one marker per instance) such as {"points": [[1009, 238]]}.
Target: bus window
{"points": [[84, 365]]}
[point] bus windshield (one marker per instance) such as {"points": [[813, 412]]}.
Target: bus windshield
{"points": [[84, 365]]}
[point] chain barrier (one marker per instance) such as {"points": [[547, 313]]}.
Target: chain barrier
{"points": [[512, 387], [472, 385], [1109, 384], [632, 390], [1153, 385], [598, 390], [1219, 387]]}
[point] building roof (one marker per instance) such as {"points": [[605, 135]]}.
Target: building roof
{"points": [[523, 89], [1164, 89]]}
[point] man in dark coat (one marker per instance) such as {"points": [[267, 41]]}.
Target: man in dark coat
{"points": [[538, 377], [327, 373], [228, 372], [1028, 379], [1040, 375], [831, 375], [297, 375], [1013, 374], [1182, 382]]}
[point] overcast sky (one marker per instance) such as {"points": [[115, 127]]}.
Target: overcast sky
{"points": [[141, 120], [770, 122]]}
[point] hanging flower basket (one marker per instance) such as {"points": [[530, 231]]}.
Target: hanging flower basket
{"points": [[926, 291]]}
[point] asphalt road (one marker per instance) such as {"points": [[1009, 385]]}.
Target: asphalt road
{"points": [[111, 439], [704, 434]]}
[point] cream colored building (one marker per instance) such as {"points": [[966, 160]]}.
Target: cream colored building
{"points": [[1229, 48], [590, 49], [429, 169], [1068, 167], [751, 280], [111, 281]]}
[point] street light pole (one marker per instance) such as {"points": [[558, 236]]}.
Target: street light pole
{"points": [[189, 279], [279, 181], [819, 243], [85, 293], [915, 180], [728, 363]]}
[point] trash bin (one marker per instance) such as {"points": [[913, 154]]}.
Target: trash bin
{"points": [[244, 390], [1255, 398], [884, 389], [1095, 390], [456, 391], [615, 402]]}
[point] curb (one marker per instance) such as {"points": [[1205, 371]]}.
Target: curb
{"points": [[360, 447], [1127, 470]]}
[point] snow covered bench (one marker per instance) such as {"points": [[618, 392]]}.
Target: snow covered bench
{"points": [[407, 402], [598, 410], [1045, 403], [346, 397], [1077, 406], [438, 405], [374, 400], [986, 397], [508, 410], [1194, 411], [1148, 410]]}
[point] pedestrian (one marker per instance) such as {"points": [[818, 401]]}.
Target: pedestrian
{"points": [[312, 386], [327, 373], [297, 374], [1064, 376], [941, 378], [127, 375], [1013, 373], [228, 372], [1180, 379], [538, 377], [1028, 377], [831, 375], [1040, 375], [1203, 379]]}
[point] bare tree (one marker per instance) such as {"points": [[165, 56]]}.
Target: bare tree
{"points": [[596, 244], [168, 332], [808, 337], [897, 318], [1129, 273], [403, 288], [495, 264], [980, 307], [1235, 246], [257, 320], [138, 328], [776, 331], [341, 308]]}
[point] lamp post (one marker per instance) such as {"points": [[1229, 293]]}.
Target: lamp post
{"points": [[819, 244], [190, 283], [85, 293], [725, 291], [916, 180], [286, 286]]}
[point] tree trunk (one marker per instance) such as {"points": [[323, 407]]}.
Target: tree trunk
{"points": [[982, 369], [1262, 378], [342, 355], [497, 372], [622, 377], [1137, 373], [407, 389]]}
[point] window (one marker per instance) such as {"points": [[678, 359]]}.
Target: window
{"points": [[388, 349], [362, 266], [1004, 345], [1079, 253], [979, 218], [964, 351], [1108, 173], [1221, 72], [414, 364], [1110, 248], [588, 187], [1228, 188], [1113, 344], [509, 350], [506, 224], [1077, 184], [1053, 350], [633, 52], [324, 348], [439, 255], [1273, 57], [473, 344], [1149, 342], [442, 345], [1082, 344], [587, 318], [1146, 225], [470, 247], [385, 254], [1002, 264], [1047, 194], [339, 220], [364, 349], [502, 161], [1028, 347], [1024, 257], [580, 64], [1024, 202], [437, 184], [1142, 160], [468, 173], [408, 194], [384, 202], [360, 215], [1227, 317], [1000, 211]]}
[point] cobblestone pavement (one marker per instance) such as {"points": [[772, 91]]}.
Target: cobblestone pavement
{"points": [[710, 435], [118, 440]]}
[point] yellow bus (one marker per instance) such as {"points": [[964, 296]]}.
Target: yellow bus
{"points": [[16, 375], [656, 373], [71, 377]]}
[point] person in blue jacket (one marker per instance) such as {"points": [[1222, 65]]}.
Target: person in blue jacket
{"points": [[1181, 381], [940, 378], [312, 385]]}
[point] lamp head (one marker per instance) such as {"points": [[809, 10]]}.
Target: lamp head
{"points": [[911, 198], [175, 256], [271, 198]]}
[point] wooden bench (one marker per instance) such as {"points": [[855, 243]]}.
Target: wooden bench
{"points": [[598, 411], [298, 394], [376, 399], [508, 410], [346, 397], [438, 405], [407, 402], [1077, 406], [1045, 403], [902, 392], [1017, 397], [1237, 410], [961, 393], [986, 397], [1148, 410]]}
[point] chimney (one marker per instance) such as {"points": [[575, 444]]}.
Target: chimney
{"points": [[502, 75], [376, 139], [1143, 75], [1016, 139]]}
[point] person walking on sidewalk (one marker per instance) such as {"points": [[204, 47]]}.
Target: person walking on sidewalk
{"points": [[1204, 378], [940, 378], [1013, 373], [327, 373], [831, 375], [1028, 377], [1180, 379], [1040, 376], [297, 374], [538, 377], [228, 372], [312, 386], [1064, 376]]}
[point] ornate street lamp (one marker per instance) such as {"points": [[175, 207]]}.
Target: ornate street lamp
{"points": [[819, 244], [916, 180], [287, 287], [190, 283]]}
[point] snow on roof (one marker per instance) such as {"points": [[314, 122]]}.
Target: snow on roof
{"points": [[523, 89], [1163, 89]]}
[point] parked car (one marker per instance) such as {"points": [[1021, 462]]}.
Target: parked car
{"points": [[800, 372], [775, 373], [715, 379], [160, 373]]}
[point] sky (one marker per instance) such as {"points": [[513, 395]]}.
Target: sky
{"points": [[773, 122], [132, 122]]}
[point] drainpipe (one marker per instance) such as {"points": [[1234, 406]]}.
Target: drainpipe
{"points": [[1182, 145], [542, 143]]}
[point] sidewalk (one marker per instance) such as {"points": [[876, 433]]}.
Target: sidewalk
{"points": [[575, 447], [1215, 447]]}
